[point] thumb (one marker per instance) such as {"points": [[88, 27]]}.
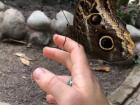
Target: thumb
{"points": [[50, 83]]}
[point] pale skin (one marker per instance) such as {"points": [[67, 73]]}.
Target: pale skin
{"points": [[85, 89]]}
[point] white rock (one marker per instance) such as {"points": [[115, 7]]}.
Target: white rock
{"points": [[131, 1], [133, 30], [39, 38], [13, 24], [2, 6], [38, 20], [63, 19], [138, 48]]}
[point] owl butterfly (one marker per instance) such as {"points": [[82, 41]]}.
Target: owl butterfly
{"points": [[101, 32]]}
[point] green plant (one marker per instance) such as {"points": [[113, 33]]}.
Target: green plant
{"points": [[129, 13]]}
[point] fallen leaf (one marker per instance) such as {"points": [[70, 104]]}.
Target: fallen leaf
{"points": [[19, 54], [24, 77], [103, 69], [25, 61], [27, 58]]}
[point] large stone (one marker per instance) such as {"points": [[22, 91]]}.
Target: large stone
{"points": [[2, 6], [133, 30], [39, 39], [118, 97], [134, 99], [128, 87], [13, 25], [138, 48], [38, 20], [63, 19]]}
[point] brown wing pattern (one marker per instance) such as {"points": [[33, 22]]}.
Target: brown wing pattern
{"points": [[101, 32]]}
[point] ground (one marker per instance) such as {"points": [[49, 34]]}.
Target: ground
{"points": [[129, 91], [16, 85]]}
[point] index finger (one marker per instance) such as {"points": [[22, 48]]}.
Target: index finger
{"points": [[77, 54]]}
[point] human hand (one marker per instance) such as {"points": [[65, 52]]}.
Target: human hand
{"points": [[85, 89]]}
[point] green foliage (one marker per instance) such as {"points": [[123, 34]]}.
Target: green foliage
{"points": [[129, 13], [122, 2]]}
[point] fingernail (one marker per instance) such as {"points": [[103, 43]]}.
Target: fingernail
{"points": [[44, 49], [37, 74], [55, 36]]}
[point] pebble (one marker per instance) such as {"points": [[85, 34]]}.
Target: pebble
{"points": [[63, 19], [13, 25], [38, 20]]}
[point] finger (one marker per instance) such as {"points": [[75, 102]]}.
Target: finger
{"points": [[80, 68], [50, 83], [78, 56], [65, 43], [58, 56], [50, 99]]}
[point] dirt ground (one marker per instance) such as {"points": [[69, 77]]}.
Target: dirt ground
{"points": [[16, 85]]}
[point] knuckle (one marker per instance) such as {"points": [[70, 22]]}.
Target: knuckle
{"points": [[53, 81], [81, 47]]}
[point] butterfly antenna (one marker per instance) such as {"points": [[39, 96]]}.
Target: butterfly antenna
{"points": [[65, 17], [67, 22], [74, 32]]}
